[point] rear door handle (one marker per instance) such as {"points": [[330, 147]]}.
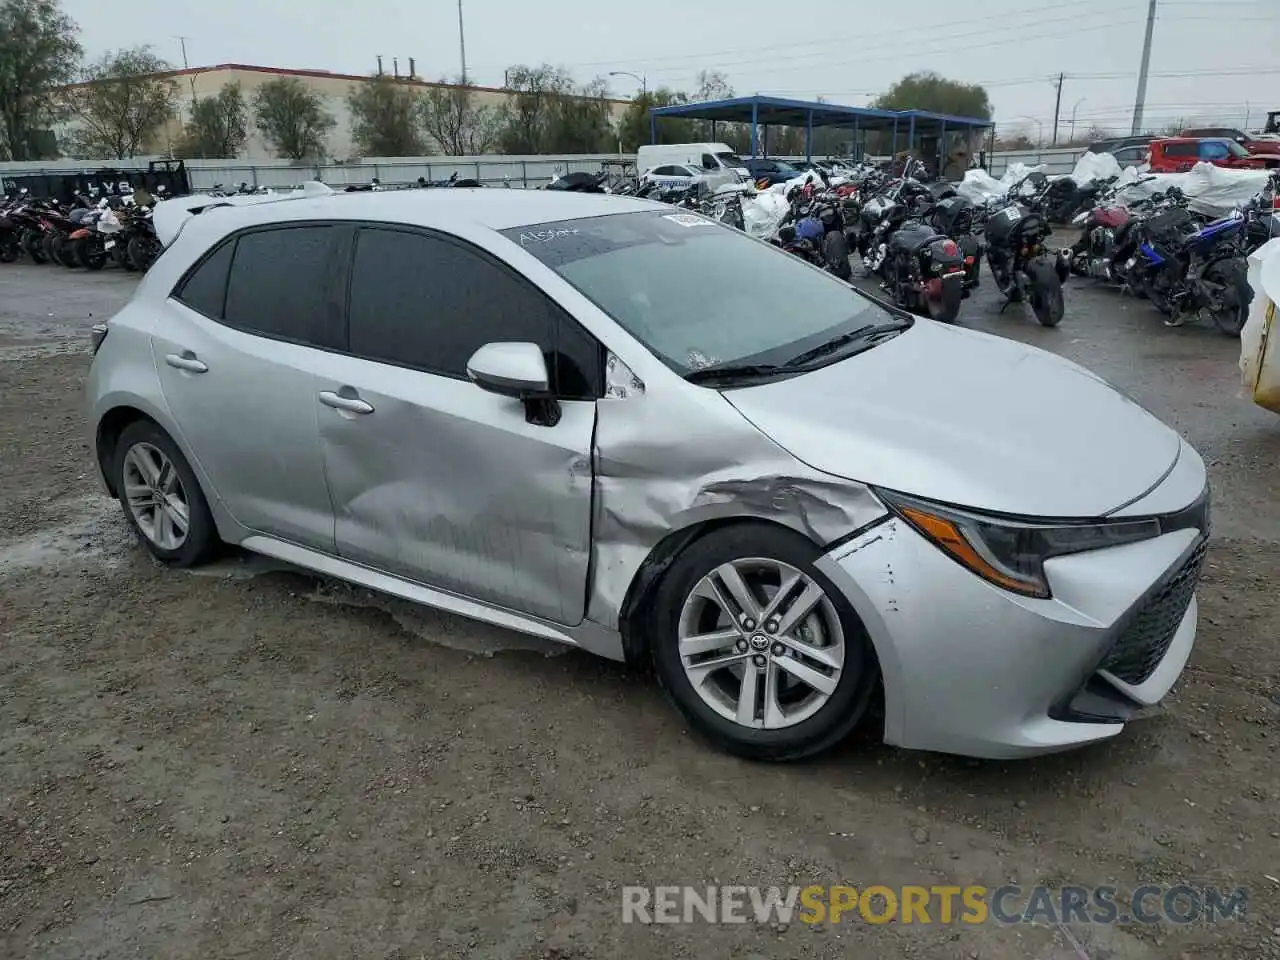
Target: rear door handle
{"points": [[350, 404], [186, 361]]}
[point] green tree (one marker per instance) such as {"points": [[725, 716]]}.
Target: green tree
{"points": [[927, 90], [455, 123], [120, 105], [39, 51], [579, 121], [633, 128], [385, 113], [292, 118], [219, 125], [547, 113]]}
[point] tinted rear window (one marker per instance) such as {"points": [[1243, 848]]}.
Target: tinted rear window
{"points": [[279, 282]]}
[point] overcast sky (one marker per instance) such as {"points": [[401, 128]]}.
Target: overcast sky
{"points": [[1211, 58]]}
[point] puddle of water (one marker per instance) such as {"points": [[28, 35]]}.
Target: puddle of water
{"points": [[95, 530]]}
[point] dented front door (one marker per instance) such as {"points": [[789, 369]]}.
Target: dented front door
{"points": [[438, 481]]}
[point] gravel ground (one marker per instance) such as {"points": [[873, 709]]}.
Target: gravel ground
{"points": [[249, 762]]}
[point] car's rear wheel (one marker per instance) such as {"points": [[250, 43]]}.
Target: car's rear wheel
{"points": [[760, 652], [161, 497]]}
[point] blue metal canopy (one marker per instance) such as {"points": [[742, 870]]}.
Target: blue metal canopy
{"points": [[779, 111]]}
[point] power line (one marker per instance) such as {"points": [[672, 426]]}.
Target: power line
{"points": [[756, 51]]}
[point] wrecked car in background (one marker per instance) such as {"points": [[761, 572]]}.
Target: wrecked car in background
{"points": [[634, 430]]}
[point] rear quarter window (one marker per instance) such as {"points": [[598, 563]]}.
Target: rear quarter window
{"points": [[204, 288]]}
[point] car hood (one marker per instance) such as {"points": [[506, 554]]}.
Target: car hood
{"points": [[968, 419]]}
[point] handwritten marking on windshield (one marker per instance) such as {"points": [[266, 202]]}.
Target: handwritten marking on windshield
{"points": [[546, 236]]}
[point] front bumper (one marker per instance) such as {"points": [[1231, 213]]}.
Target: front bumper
{"points": [[972, 669]]}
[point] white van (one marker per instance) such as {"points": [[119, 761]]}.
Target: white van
{"points": [[710, 157]]}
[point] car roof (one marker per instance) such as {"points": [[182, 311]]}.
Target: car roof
{"points": [[494, 208]]}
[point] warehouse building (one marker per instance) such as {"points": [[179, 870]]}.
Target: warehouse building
{"points": [[333, 88]]}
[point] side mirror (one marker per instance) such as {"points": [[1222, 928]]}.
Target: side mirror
{"points": [[511, 370]]}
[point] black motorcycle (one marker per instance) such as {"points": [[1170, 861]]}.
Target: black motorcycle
{"points": [[957, 218], [1021, 263]]}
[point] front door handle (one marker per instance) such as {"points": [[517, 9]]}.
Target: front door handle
{"points": [[350, 404], [186, 361]]}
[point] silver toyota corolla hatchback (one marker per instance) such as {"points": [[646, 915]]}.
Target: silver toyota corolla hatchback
{"points": [[639, 432]]}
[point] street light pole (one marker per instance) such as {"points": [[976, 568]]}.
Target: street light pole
{"points": [[462, 44], [643, 81], [1073, 116]]}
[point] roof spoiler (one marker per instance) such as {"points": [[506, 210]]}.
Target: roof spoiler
{"points": [[170, 216]]}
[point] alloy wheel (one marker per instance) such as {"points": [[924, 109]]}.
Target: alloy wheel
{"points": [[156, 497], [761, 643]]}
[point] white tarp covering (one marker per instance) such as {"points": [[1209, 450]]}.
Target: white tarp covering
{"points": [[1095, 166], [1217, 191], [762, 213], [1260, 338], [978, 186]]}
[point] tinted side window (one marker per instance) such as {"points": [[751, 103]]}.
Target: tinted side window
{"points": [[280, 282], [1213, 151], [709, 162], [205, 288], [1180, 150], [429, 303]]}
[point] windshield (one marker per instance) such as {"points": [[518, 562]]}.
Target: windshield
{"points": [[699, 294], [731, 159], [1236, 149], [785, 167]]}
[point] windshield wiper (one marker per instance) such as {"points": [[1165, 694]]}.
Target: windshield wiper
{"points": [[865, 333], [733, 371]]}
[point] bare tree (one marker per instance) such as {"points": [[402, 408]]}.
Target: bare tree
{"points": [[455, 123], [38, 52], [219, 125], [292, 118], [121, 104], [384, 113]]}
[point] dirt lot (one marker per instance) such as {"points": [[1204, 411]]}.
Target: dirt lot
{"points": [[247, 762]]}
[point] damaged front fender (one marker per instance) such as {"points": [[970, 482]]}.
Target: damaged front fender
{"points": [[668, 465]]}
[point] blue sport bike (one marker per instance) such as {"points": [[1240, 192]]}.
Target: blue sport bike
{"points": [[1188, 267]]}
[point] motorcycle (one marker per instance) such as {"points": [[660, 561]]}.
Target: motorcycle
{"points": [[1188, 267], [141, 245], [1109, 233], [1021, 264], [814, 229]]}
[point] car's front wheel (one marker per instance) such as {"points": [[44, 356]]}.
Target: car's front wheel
{"points": [[760, 652], [161, 497]]}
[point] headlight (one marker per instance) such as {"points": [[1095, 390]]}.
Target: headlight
{"points": [[1010, 553]]}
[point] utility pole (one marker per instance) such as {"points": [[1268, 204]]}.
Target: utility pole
{"points": [[462, 44], [1057, 108], [1141, 100]]}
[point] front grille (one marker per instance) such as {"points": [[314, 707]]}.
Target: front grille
{"points": [[1145, 641]]}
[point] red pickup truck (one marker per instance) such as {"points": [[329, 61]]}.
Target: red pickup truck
{"points": [[1179, 154]]}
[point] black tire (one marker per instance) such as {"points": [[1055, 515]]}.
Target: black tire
{"points": [[946, 308], [835, 250], [1153, 291], [33, 245], [202, 536], [1047, 300], [143, 252], [46, 247], [847, 703], [10, 249], [1237, 295], [90, 255]]}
